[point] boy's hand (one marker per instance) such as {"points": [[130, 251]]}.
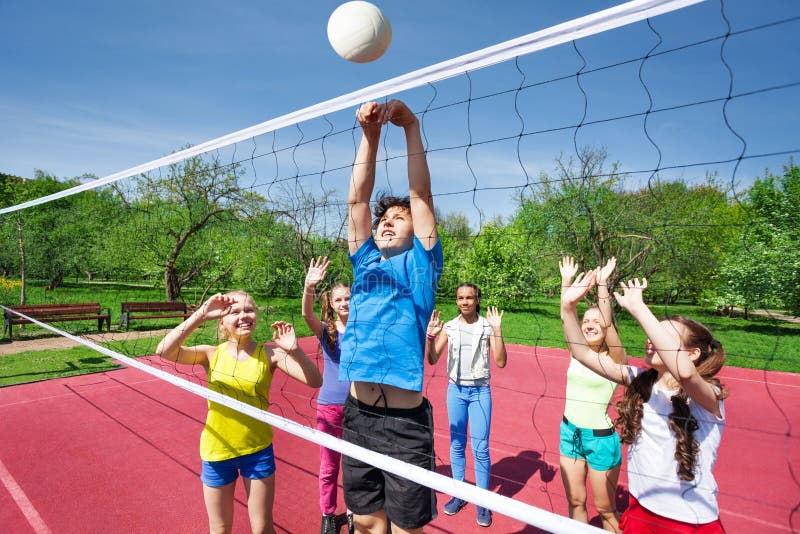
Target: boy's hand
{"points": [[398, 114], [370, 117]]}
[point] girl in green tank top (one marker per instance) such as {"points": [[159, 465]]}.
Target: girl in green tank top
{"points": [[590, 448]]}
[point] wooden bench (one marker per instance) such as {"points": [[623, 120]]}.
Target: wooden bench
{"points": [[52, 313], [151, 310]]}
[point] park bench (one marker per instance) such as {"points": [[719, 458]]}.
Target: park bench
{"points": [[151, 310], [52, 313]]}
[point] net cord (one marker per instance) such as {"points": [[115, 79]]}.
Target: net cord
{"points": [[499, 503], [608, 19]]}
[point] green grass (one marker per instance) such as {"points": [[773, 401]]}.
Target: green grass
{"points": [[757, 342], [754, 343]]}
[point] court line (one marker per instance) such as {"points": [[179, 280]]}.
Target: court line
{"points": [[25, 506]]}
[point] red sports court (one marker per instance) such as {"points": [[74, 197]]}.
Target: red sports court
{"points": [[118, 451]]}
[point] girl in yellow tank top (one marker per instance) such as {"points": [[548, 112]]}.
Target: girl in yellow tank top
{"points": [[242, 369]]}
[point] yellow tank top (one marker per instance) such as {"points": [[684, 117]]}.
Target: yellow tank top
{"points": [[229, 433]]}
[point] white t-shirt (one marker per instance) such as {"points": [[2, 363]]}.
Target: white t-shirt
{"points": [[652, 468]]}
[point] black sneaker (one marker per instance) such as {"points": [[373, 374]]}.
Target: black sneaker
{"points": [[484, 516], [328, 524], [454, 506]]}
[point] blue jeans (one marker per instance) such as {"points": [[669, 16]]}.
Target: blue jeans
{"points": [[470, 405]]}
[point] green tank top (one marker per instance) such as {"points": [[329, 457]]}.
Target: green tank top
{"points": [[229, 433], [588, 395]]}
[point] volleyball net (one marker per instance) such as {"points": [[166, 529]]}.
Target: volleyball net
{"points": [[636, 132]]}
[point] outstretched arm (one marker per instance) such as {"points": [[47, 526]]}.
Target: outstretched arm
{"points": [[290, 358], [362, 181], [171, 347], [613, 342], [316, 273], [667, 343], [576, 343], [496, 342], [434, 342], [419, 176]]}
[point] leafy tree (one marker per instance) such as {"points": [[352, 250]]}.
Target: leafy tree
{"points": [[170, 215], [764, 269], [582, 211], [691, 228]]}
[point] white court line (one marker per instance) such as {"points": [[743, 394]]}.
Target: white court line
{"points": [[26, 507], [757, 520]]}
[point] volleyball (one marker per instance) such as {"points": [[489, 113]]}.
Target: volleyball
{"points": [[359, 32]]}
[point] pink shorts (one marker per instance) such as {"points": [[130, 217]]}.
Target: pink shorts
{"points": [[638, 519]]}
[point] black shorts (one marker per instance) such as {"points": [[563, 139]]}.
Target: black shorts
{"points": [[405, 434]]}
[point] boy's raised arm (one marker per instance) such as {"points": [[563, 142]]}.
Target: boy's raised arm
{"points": [[362, 181], [419, 177]]}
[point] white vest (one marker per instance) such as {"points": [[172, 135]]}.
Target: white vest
{"points": [[480, 349]]}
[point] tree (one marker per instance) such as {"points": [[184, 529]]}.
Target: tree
{"points": [[764, 269], [583, 212], [171, 213]]}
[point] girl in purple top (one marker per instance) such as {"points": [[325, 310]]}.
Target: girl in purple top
{"points": [[335, 309]]}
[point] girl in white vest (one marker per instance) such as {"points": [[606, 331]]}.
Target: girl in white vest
{"points": [[671, 417], [469, 338]]}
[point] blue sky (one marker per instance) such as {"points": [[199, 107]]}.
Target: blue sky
{"points": [[98, 87]]}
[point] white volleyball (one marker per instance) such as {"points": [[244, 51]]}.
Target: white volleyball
{"points": [[359, 31]]}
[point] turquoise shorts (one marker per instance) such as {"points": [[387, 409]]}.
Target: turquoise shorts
{"points": [[599, 447], [256, 465]]}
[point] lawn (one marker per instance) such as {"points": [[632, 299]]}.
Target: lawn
{"points": [[757, 342]]}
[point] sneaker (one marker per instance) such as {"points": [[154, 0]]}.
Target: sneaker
{"points": [[454, 506], [328, 524], [484, 516], [351, 527]]}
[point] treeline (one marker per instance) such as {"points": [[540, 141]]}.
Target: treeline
{"points": [[198, 225]]}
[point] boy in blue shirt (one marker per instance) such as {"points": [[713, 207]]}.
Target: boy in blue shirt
{"points": [[396, 274]]}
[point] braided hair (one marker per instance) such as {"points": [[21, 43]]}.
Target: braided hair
{"points": [[694, 335], [329, 315]]}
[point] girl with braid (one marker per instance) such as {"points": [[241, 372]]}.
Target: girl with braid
{"points": [[671, 417], [335, 309]]}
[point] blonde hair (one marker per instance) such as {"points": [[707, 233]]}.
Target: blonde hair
{"points": [[222, 334]]}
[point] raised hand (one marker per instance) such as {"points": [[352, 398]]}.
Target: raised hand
{"points": [[567, 268], [398, 113], [317, 270], [605, 272], [436, 324], [283, 335], [215, 307], [631, 296], [371, 118], [494, 318], [582, 284]]}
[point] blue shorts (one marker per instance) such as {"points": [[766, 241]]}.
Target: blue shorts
{"points": [[256, 465], [599, 447]]}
